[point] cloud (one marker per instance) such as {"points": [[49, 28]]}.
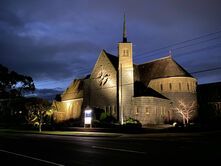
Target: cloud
{"points": [[44, 59], [55, 40], [10, 18], [48, 94]]}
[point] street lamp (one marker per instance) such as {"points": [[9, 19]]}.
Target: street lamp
{"points": [[88, 117]]}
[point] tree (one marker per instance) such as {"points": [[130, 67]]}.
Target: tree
{"points": [[58, 97], [13, 84], [39, 112], [186, 110], [12, 89]]}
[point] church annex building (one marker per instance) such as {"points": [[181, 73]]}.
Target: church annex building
{"points": [[147, 92]]}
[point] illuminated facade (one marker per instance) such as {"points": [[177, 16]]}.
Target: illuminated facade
{"points": [[147, 92]]}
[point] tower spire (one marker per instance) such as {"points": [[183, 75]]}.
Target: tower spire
{"points": [[124, 30]]}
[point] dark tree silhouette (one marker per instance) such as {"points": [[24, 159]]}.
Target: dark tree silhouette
{"points": [[13, 84], [12, 89]]}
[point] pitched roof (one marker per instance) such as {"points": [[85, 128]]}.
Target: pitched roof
{"points": [[140, 89], [74, 91], [113, 59], [160, 68]]}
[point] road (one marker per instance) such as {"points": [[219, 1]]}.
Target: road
{"points": [[127, 149]]}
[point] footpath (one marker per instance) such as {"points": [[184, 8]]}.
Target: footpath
{"points": [[102, 132]]}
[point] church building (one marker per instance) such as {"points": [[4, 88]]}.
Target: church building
{"points": [[150, 92]]}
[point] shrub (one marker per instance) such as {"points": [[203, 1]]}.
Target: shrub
{"points": [[131, 122], [107, 120]]}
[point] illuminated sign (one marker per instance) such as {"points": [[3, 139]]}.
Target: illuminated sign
{"points": [[87, 117]]}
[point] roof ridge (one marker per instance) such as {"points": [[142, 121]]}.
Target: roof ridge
{"points": [[112, 58], [184, 70], [107, 53], [162, 58]]}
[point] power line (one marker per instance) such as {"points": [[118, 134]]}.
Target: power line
{"points": [[111, 87], [71, 79], [86, 70], [177, 48], [205, 70], [194, 72], [178, 43], [197, 43], [168, 46], [198, 50]]}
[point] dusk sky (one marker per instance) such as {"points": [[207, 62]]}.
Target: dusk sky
{"points": [[56, 41]]}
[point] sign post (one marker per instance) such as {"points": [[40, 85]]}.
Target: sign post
{"points": [[88, 117]]}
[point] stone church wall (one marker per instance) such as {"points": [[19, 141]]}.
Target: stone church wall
{"points": [[67, 110], [177, 89], [100, 90], [151, 110], [126, 90]]}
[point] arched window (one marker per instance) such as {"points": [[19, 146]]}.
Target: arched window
{"points": [[180, 88], [147, 111], [125, 52], [194, 87], [161, 87], [188, 86], [137, 110], [170, 85], [162, 110]]}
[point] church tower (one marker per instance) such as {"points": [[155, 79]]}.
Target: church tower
{"points": [[125, 76]]}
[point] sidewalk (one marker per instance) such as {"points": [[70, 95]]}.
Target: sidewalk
{"points": [[60, 133], [120, 129], [104, 132], [90, 132]]}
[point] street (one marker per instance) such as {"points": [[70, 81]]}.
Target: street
{"points": [[127, 149]]}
